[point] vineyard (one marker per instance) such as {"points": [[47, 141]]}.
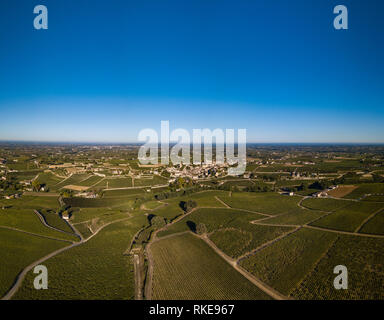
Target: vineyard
{"points": [[187, 268], [292, 258], [364, 260], [80, 273]]}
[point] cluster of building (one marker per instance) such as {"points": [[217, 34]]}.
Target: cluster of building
{"points": [[196, 172]]}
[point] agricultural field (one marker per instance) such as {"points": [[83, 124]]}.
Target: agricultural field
{"points": [[112, 183], [170, 211], [366, 188], [192, 231], [98, 203], [324, 204], [49, 179], [298, 217], [26, 220], [72, 180], [349, 218], [156, 180], [185, 267], [342, 191], [18, 250], [292, 258], [223, 226], [54, 220], [91, 181], [79, 273], [123, 192], [375, 225], [364, 259], [91, 226], [31, 202], [267, 203]]}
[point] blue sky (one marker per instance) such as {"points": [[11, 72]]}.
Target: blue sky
{"points": [[105, 70]]}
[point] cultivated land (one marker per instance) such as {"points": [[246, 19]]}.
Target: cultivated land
{"points": [[107, 227], [186, 267]]}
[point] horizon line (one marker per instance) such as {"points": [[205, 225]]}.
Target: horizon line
{"points": [[142, 143]]}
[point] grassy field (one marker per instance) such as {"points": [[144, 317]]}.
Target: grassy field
{"points": [[364, 259], [269, 203], [324, 204], [374, 225], [18, 250], [349, 218], [286, 262], [94, 270], [187, 268]]}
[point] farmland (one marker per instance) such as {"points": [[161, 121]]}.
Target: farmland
{"points": [[86, 276], [293, 257], [349, 218], [191, 232], [364, 260], [187, 260], [17, 251]]}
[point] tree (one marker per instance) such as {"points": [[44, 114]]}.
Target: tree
{"points": [[201, 228]]}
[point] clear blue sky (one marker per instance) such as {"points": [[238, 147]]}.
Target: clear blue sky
{"points": [[106, 69]]}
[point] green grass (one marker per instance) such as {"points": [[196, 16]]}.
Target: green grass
{"points": [[324, 204], [285, 263], [364, 260], [96, 269], [269, 203], [349, 218], [187, 268], [17, 251], [374, 225]]}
